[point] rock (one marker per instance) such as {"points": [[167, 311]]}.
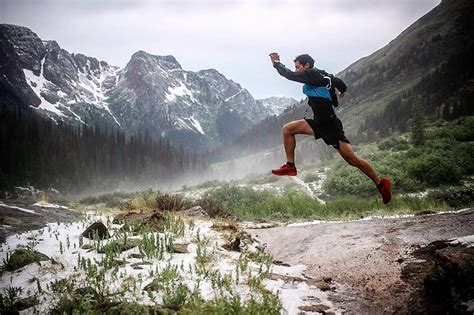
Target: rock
{"points": [[281, 263], [196, 211], [23, 257], [120, 262], [87, 246], [441, 278], [317, 308], [139, 264], [233, 245], [152, 286], [321, 285], [179, 248], [327, 279], [136, 256], [96, 228], [25, 303]]}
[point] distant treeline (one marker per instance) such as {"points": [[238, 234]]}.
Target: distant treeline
{"points": [[38, 151]]}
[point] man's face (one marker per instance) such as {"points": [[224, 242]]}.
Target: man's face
{"points": [[300, 68]]}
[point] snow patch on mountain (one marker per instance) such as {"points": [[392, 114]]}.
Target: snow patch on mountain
{"points": [[189, 123], [180, 90], [38, 84], [276, 105], [232, 96]]}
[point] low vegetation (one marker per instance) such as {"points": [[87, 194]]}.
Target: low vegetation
{"points": [[246, 203], [445, 158]]}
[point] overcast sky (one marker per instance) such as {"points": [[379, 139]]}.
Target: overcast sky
{"points": [[234, 37]]}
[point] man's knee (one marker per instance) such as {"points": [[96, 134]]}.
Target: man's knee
{"points": [[287, 129]]}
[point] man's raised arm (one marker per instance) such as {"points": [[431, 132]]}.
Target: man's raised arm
{"points": [[311, 77]]}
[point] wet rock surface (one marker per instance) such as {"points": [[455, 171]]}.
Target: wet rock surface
{"points": [[367, 258], [14, 220]]}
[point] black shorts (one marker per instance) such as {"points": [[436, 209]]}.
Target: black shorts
{"points": [[330, 131]]}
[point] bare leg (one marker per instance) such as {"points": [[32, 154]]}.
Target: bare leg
{"points": [[348, 154], [289, 141]]}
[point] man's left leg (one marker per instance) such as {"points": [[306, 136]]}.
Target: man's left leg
{"points": [[348, 154]]}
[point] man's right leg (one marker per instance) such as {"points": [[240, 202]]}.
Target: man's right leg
{"points": [[297, 127], [383, 185], [289, 142]]}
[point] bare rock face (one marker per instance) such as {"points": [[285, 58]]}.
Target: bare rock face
{"points": [[28, 45], [442, 278], [97, 228]]}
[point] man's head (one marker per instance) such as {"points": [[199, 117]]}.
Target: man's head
{"points": [[303, 62]]}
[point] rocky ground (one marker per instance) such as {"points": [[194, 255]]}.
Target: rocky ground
{"points": [[386, 266], [21, 217], [409, 264]]}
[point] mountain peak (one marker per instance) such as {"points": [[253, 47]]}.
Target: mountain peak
{"points": [[166, 62]]}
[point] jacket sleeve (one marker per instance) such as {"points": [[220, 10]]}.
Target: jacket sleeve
{"points": [[311, 77]]}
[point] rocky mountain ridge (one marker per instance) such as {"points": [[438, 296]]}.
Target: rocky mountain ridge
{"points": [[151, 94]]}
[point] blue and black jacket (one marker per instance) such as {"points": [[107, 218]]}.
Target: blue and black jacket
{"points": [[316, 87]]}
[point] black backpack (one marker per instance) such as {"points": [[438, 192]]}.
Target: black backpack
{"points": [[336, 83]]}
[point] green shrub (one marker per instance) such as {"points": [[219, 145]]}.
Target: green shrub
{"points": [[168, 202], [445, 158], [434, 169]]}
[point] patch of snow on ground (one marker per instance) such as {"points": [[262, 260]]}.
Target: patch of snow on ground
{"points": [[16, 208], [61, 242], [49, 205]]}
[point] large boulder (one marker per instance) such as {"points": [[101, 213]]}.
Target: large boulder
{"points": [[96, 229]]}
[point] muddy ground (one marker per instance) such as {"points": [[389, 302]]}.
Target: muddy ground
{"points": [[367, 258]]}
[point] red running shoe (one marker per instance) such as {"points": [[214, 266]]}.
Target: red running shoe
{"points": [[384, 190], [285, 170]]}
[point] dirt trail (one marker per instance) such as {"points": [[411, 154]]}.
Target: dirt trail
{"points": [[364, 257]]}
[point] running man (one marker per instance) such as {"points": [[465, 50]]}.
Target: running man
{"points": [[325, 125]]}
